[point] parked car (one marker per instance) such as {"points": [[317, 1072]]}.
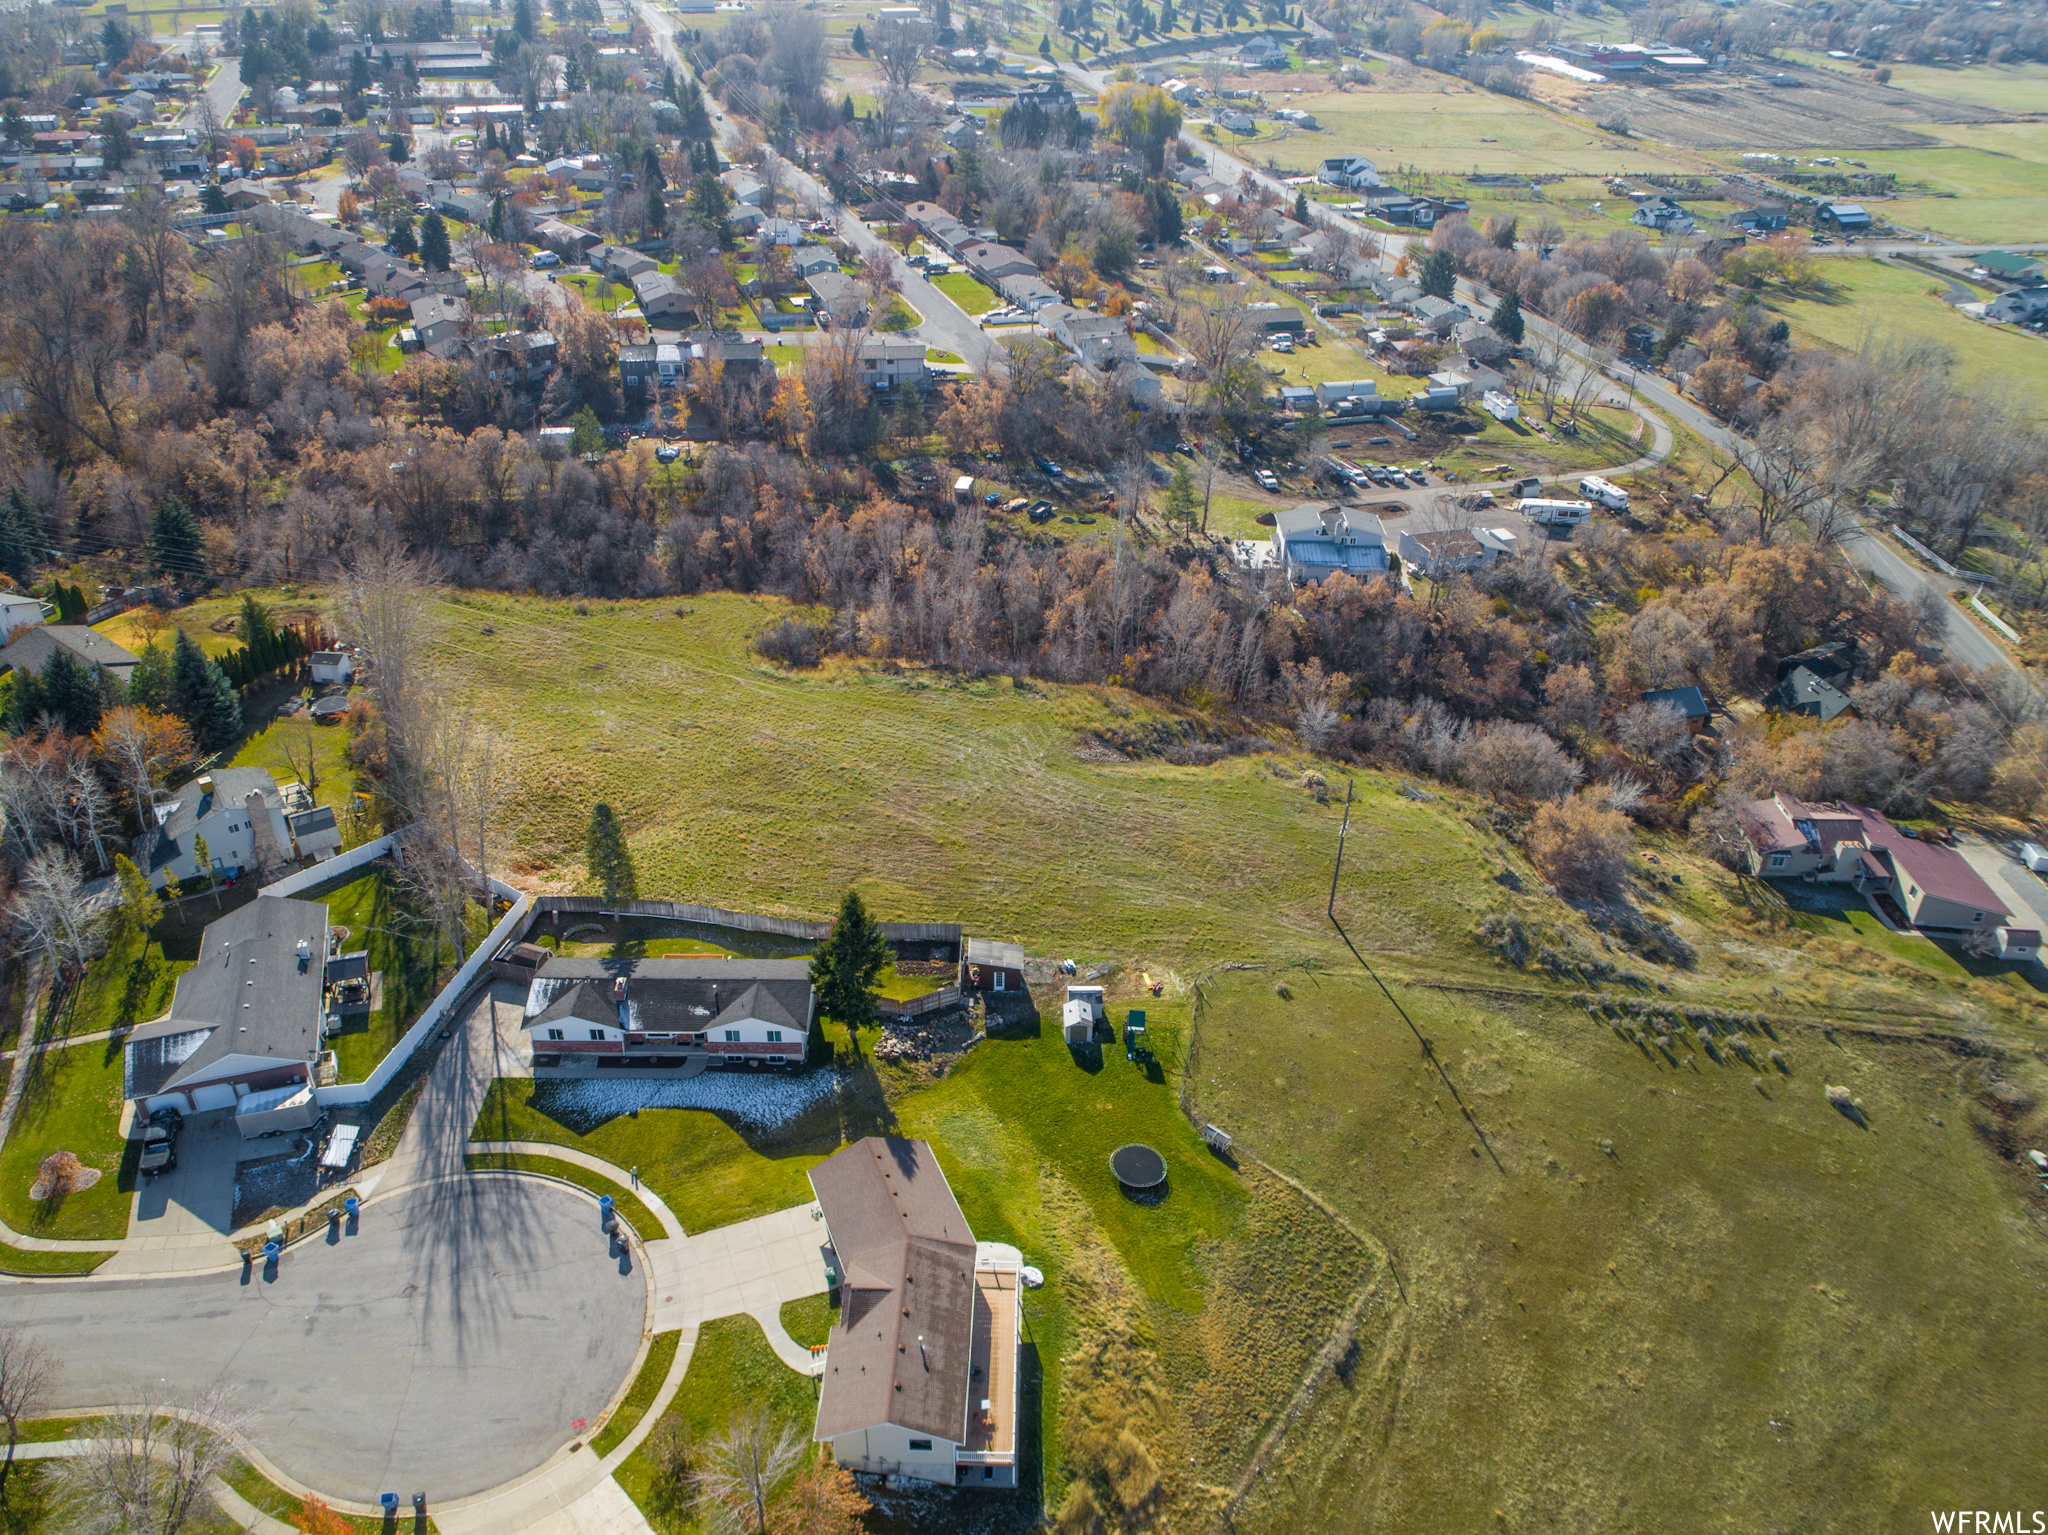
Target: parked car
{"points": [[159, 1150], [1050, 469], [1267, 479], [1283, 344]]}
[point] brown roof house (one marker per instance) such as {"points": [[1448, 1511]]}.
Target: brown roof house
{"points": [[1908, 880], [921, 1368]]}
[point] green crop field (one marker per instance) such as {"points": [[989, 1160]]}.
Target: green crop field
{"points": [[1870, 300], [1993, 177]]}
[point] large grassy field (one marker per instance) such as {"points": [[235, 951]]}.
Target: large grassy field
{"points": [[2013, 87], [1994, 177], [1651, 1257], [1451, 127], [1871, 300]]}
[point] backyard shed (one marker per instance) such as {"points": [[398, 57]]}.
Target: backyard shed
{"points": [[992, 965]]}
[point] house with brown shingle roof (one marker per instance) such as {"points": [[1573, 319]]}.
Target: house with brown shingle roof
{"points": [[920, 1374]]}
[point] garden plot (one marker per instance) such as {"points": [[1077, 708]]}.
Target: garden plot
{"points": [[758, 1102]]}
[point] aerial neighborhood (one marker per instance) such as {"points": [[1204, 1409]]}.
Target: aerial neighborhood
{"points": [[821, 768]]}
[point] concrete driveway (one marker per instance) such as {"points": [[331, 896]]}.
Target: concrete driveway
{"points": [[179, 1221], [2013, 881], [459, 1340]]}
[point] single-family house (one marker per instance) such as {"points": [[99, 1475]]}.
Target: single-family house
{"points": [[439, 317], [921, 1374], [1338, 391], [1096, 338], [890, 362], [1348, 171], [744, 187], [1758, 221], [1663, 215], [18, 612], [1312, 541], [239, 812], [1263, 53], [1438, 316], [736, 358], [621, 263], [636, 369], [244, 1028], [1300, 119], [32, 647], [811, 257], [2007, 267], [468, 205], [1027, 291], [565, 237], [244, 195], [1138, 382], [779, 231], [1690, 702], [2019, 306], [1911, 880], [992, 263], [520, 357], [1213, 273], [586, 1016], [1833, 661], [1240, 123], [1801, 691], [1453, 551], [661, 301], [989, 964], [839, 297], [1479, 341]]}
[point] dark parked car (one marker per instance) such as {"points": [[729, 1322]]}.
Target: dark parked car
{"points": [[159, 1150]]}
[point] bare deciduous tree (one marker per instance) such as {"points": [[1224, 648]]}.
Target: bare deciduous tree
{"points": [[146, 1471], [898, 49], [740, 1468], [384, 608], [53, 908], [26, 1372]]}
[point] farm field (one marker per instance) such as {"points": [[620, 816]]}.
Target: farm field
{"points": [[1872, 299], [1456, 129], [1650, 1248], [1995, 176], [2011, 87]]}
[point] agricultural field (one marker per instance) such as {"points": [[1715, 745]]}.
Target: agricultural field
{"points": [[1990, 182], [1868, 300], [2019, 87], [1456, 129]]}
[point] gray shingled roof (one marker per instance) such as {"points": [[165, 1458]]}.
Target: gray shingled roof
{"points": [[248, 993], [903, 1346], [231, 786], [32, 648], [674, 996]]}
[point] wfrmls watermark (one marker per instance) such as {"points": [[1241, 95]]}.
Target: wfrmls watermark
{"points": [[1984, 1521]]}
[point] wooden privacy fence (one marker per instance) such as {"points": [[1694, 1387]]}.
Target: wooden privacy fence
{"points": [[917, 1007], [744, 921]]}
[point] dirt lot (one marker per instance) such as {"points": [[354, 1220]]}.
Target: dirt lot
{"points": [[1747, 112]]}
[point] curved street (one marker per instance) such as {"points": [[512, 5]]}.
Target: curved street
{"points": [[455, 1342]]}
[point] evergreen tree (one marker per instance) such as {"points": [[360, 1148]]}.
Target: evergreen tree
{"points": [[1301, 208], [497, 219], [22, 535], [846, 109], [860, 40], [522, 20], [254, 621], [71, 692], [140, 906], [153, 684], [587, 434], [605, 855], [434, 243], [1180, 496], [1507, 316], [1044, 46], [846, 965], [174, 539], [1439, 274], [202, 696], [403, 242], [657, 211], [212, 200]]}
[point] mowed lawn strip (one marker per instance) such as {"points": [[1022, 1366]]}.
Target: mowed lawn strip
{"points": [[661, 1354], [637, 1215], [71, 1103]]}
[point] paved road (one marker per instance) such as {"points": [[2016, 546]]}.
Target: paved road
{"points": [[448, 1347], [946, 325], [224, 90]]}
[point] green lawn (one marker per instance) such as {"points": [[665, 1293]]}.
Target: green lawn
{"points": [[731, 1369], [901, 988], [785, 357], [1870, 300], [2012, 87], [131, 983], [381, 918], [1865, 1309], [661, 1354], [702, 1168], [628, 1204], [284, 1506], [36, 1262], [810, 1320], [971, 294], [1994, 177], [285, 744], [898, 315], [73, 1103]]}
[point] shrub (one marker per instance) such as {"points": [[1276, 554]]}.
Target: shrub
{"points": [[1580, 847], [1506, 760], [792, 642]]}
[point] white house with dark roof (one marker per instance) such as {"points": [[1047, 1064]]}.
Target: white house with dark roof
{"points": [[921, 1369], [668, 1016], [245, 1020], [238, 810], [1314, 541]]}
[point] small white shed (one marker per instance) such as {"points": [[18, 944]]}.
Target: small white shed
{"points": [[333, 666], [2018, 942], [1083, 1010]]}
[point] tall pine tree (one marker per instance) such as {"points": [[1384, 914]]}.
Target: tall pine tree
{"points": [[22, 535], [1507, 316], [174, 540], [845, 967], [202, 696], [434, 243]]}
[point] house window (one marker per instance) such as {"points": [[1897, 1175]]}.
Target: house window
{"points": [[775, 1036], [597, 1033], [1976, 916], [1000, 980], [988, 1473], [734, 1060], [732, 1036], [1778, 860], [778, 1060], [555, 1034], [920, 1444]]}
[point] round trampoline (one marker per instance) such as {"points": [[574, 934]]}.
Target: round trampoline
{"points": [[1138, 1167]]}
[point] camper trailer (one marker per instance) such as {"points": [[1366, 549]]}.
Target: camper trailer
{"points": [[1556, 514], [1605, 492]]}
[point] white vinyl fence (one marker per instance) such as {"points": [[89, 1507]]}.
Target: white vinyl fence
{"points": [[335, 867]]}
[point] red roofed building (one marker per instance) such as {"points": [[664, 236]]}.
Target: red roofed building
{"points": [[1924, 884]]}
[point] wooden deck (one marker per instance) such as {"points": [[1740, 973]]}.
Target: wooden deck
{"points": [[994, 1377]]}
